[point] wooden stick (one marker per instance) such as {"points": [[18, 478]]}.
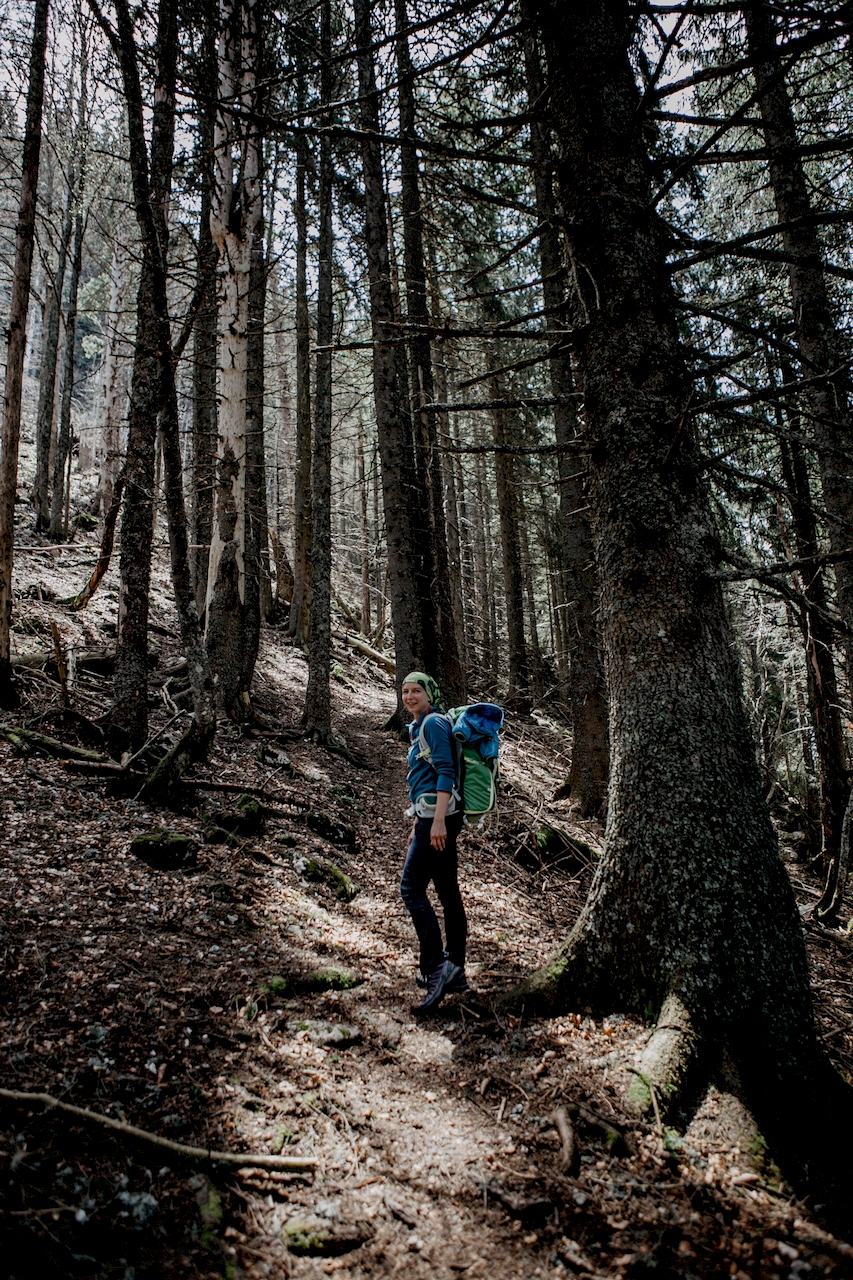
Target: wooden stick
{"points": [[567, 1136], [193, 1154]]}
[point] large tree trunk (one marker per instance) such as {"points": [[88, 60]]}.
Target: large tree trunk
{"points": [[439, 621], [393, 421], [235, 222], [17, 342], [586, 784], [318, 702], [691, 901]]}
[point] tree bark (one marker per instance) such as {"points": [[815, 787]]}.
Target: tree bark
{"points": [[318, 700], [690, 899], [17, 341], [586, 784], [393, 421]]}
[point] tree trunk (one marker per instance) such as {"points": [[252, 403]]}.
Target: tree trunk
{"points": [[365, 532], [318, 701], [154, 392], [690, 900], [518, 689], [822, 348], [47, 372], [820, 665], [258, 602], [586, 784], [439, 621], [113, 386], [301, 603], [236, 214], [17, 340], [393, 421], [64, 440], [128, 718], [204, 329]]}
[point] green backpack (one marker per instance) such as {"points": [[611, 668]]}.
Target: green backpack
{"points": [[474, 731]]}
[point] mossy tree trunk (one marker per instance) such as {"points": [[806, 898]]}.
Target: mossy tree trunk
{"points": [[691, 899]]}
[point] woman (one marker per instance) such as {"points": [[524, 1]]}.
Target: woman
{"points": [[436, 808]]}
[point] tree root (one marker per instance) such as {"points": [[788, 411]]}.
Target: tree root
{"points": [[192, 1155], [666, 1062]]}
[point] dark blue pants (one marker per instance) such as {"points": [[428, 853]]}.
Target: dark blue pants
{"points": [[425, 864]]}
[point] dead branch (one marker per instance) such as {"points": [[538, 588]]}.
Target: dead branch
{"points": [[567, 1136], [83, 597], [194, 1155], [361, 646]]}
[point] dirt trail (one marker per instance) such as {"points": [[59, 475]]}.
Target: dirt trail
{"points": [[242, 1002]]}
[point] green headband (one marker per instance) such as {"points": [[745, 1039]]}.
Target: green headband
{"points": [[427, 684]]}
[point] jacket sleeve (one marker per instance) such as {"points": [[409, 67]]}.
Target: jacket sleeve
{"points": [[437, 734]]}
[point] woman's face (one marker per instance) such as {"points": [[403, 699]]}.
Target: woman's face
{"points": [[415, 699]]}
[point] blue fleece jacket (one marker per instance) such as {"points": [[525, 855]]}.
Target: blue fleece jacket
{"points": [[440, 774]]}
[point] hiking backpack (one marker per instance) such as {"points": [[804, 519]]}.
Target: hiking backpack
{"points": [[474, 732]]}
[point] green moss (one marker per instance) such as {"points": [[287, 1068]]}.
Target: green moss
{"points": [[639, 1095], [320, 871], [283, 1136], [303, 1237], [211, 1215], [276, 986], [164, 849], [331, 980]]}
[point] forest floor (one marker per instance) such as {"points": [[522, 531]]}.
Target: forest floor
{"points": [[240, 1002]]}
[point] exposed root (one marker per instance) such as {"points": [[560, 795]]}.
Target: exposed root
{"points": [[666, 1062], [192, 1155]]}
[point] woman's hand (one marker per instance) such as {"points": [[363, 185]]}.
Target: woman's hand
{"points": [[438, 833], [438, 830]]}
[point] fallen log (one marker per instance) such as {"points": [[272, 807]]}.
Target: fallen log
{"points": [[361, 646], [43, 657], [26, 740], [193, 1155]]}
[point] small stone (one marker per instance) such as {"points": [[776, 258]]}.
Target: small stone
{"points": [[339, 1034]]}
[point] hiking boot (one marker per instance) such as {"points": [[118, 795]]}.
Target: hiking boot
{"points": [[455, 985], [437, 985]]}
